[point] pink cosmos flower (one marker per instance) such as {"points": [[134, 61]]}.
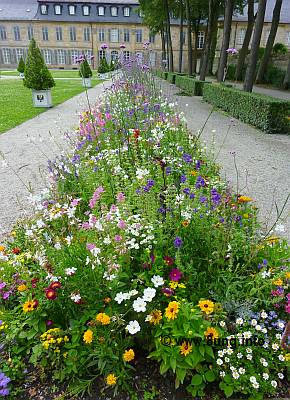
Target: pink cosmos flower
{"points": [[90, 246], [175, 274], [122, 224], [118, 238], [75, 202], [120, 197], [287, 308]]}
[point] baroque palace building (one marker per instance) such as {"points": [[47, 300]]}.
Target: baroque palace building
{"points": [[65, 29]]}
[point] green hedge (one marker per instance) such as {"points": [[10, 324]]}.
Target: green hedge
{"points": [[171, 76], [264, 112], [189, 85]]}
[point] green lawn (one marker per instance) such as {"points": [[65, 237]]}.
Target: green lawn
{"points": [[56, 73], [16, 100]]}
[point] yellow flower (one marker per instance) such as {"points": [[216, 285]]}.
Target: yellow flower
{"points": [[103, 318], [246, 216], [181, 285], [57, 350], [287, 275], [88, 336], [278, 282], [172, 310], [272, 240], [111, 380], [155, 317], [46, 344], [185, 223], [185, 348], [29, 306], [13, 233], [244, 199], [65, 339], [287, 357], [211, 333], [193, 173], [129, 355], [22, 288], [206, 306], [173, 284], [2, 248]]}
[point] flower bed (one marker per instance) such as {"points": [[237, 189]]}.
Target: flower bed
{"points": [[139, 248]]}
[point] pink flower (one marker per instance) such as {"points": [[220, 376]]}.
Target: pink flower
{"points": [[120, 197], [287, 308], [75, 202], [122, 224], [96, 196], [175, 274], [108, 115], [118, 238], [90, 246], [122, 46]]}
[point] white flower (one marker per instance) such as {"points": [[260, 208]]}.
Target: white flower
{"points": [[248, 335], [265, 376], [266, 345], [133, 292], [275, 346], [230, 351], [253, 379], [70, 271], [40, 223], [264, 314], [57, 246], [254, 322], [242, 371], [265, 364], [227, 359], [248, 350], [75, 297], [278, 336], [222, 373], [266, 274], [148, 318], [157, 280], [274, 384], [119, 298], [139, 305], [281, 325], [258, 328], [107, 276], [239, 321], [222, 324], [256, 385], [149, 294], [219, 361], [141, 173], [281, 357], [264, 330], [239, 355], [280, 375], [133, 327], [262, 360], [236, 375], [107, 240], [280, 228], [220, 353], [249, 356]]}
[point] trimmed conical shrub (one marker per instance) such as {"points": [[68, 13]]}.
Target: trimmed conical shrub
{"points": [[103, 67], [36, 74], [21, 66], [85, 69]]}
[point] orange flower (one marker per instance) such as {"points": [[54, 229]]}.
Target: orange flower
{"points": [[88, 336], [172, 310], [211, 333], [185, 223], [206, 306], [129, 355], [185, 348], [244, 199], [103, 318]]}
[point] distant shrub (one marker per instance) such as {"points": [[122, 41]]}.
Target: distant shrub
{"points": [[85, 69], [279, 49], [190, 85], [21, 66]]}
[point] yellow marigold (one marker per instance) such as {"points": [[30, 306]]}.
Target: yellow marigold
{"points": [[278, 282], [211, 333], [244, 199], [129, 355], [185, 348], [172, 310], [103, 318], [206, 306], [2, 248], [287, 275], [88, 336], [155, 317], [22, 288], [185, 223], [29, 306], [111, 380]]}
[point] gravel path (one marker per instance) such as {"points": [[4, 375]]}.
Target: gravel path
{"points": [[262, 160], [26, 150]]}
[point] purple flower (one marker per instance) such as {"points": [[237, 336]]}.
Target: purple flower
{"points": [[192, 196], [177, 242], [200, 182], [203, 199], [183, 178], [187, 158], [122, 46], [175, 274], [215, 197], [167, 291], [186, 191], [104, 46]]}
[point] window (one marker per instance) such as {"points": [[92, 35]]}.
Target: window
{"points": [[74, 55], [30, 32], [47, 56], [44, 33], [114, 55], [126, 35], [57, 9], [102, 54], [72, 34], [126, 11], [60, 56], [241, 36], [19, 54], [72, 10], [6, 56], [114, 35], [3, 35], [114, 11], [101, 10], [287, 38], [58, 31], [139, 36], [43, 9], [87, 34], [126, 55], [101, 34], [86, 10], [151, 38], [16, 31], [88, 55], [200, 39]]}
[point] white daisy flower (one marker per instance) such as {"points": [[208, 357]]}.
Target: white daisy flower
{"points": [[239, 321], [149, 294], [133, 327], [281, 357], [274, 384], [280, 375], [219, 361], [265, 376], [157, 280], [139, 305]]}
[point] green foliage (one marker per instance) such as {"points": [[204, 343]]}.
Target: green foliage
{"points": [[264, 112], [21, 66], [85, 69], [275, 76], [171, 77], [104, 66], [36, 74], [279, 49], [190, 85], [261, 52]]}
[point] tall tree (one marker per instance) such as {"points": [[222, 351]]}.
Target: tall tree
{"points": [[270, 42], [181, 36], [214, 37], [208, 39], [168, 35], [286, 83], [251, 69], [244, 50], [229, 8], [189, 38]]}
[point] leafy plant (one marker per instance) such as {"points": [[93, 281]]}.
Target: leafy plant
{"points": [[85, 69], [21, 66]]}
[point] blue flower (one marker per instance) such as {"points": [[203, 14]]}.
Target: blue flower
{"points": [[178, 242], [187, 158]]}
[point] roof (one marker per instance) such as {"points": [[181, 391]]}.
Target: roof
{"points": [[18, 9], [284, 16], [122, 2]]}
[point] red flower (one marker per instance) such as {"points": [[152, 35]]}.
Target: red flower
{"points": [[34, 282], [50, 294], [35, 304], [168, 260], [136, 133], [16, 250], [55, 285], [175, 274]]}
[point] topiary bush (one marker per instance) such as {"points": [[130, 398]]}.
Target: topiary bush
{"points": [[36, 73], [189, 85], [85, 70], [264, 112], [21, 66], [103, 67]]}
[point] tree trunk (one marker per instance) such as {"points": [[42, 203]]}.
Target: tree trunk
{"points": [[213, 42], [189, 39], [229, 8], [251, 69], [180, 38], [270, 42], [244, 50], [194, 53], [208, 39], [169, 40], [163, 43], [286, 83]]}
